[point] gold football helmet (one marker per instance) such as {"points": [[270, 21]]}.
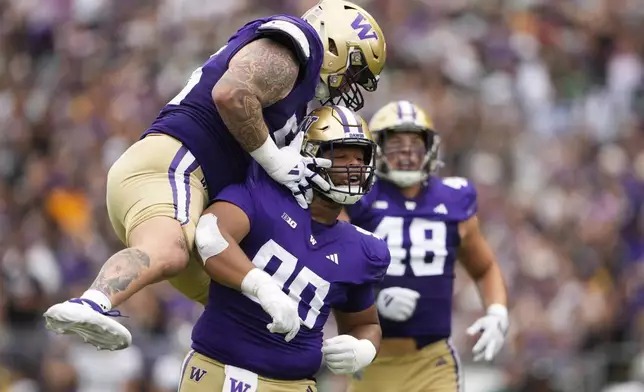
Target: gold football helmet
{"points": [[404, 116], [330, 127], [354, 52]]}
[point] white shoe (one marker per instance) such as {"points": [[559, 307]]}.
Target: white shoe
{"points": [[86, 319]]}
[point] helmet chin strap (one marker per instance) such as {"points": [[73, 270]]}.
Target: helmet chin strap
{"points": [[403, 178], [337, 197], [343, 196]]}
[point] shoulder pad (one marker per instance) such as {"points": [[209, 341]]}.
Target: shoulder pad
{"points": [[377, 254], [456, 182], [293, 32], [366, 232], [466, 199]]}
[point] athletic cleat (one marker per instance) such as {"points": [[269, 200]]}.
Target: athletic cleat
{"points": [[86, 319]]}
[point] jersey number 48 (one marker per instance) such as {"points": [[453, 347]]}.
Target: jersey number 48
{"points": [[391, 229]]}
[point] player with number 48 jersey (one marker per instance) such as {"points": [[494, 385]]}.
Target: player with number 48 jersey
{"points": [[428, 222]]}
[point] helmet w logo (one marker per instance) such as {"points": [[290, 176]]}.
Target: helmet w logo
{"points": [[363, 27], [306, 123]]}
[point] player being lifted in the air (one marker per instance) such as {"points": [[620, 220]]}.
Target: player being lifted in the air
{"points": [[428, 223], [305, 263], [243, 104]]}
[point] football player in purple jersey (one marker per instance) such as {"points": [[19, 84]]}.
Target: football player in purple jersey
{"points": [[428, 222], [242, 105], [275, 266]]}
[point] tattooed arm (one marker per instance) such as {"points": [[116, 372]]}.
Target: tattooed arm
{"points": [[260, 74]]}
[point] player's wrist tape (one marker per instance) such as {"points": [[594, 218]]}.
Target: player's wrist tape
{"points": [[253, 280], [501, 312], [267, 155], [209, 240], [365, 353], [498, 310]]}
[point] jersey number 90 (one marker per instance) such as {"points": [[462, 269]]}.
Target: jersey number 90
{"points": [[272, 251]]}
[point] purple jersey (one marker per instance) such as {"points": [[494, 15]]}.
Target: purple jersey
{"points": [[422, 235], [192, 118], [320, 267]]}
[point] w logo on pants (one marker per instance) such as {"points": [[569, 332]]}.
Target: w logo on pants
{"points": [[197, 374], [238, 386]]}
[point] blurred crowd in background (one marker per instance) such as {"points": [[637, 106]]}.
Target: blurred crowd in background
{"points": [[539, 103]]}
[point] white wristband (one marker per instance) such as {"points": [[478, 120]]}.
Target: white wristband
{"points": [[253, 280], [366, 352], [267, 155], [498, 310]]}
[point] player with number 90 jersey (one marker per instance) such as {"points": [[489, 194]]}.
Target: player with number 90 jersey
{"points": [[320, 267], [282, 266]]}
